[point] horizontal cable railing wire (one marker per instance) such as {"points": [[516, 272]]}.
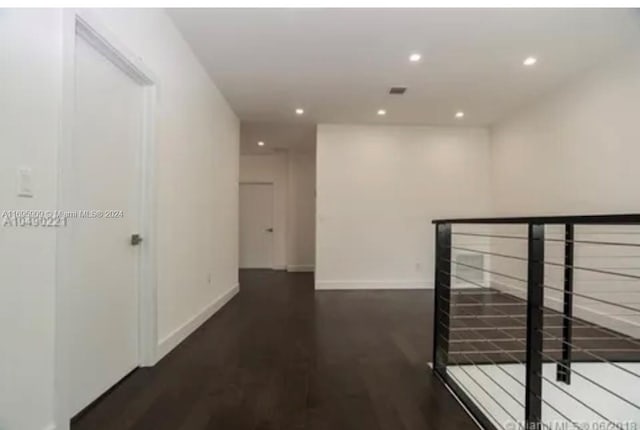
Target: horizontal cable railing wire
{"points": [[594, 326], [589, 242], [479, 404], [484, 326], [515, 278], [595, 299], [516, 360]]}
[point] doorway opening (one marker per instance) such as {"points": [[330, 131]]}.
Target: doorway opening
{"points": [[105, 286], [256, 225]]}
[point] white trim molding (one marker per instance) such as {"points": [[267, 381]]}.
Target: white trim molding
{"points": [[169, 342], [374, 285], [83, 23], [300, 268]]}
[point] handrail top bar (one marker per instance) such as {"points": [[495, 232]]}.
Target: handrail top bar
{"points": [[620, 219]]}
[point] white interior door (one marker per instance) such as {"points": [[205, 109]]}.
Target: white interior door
{"points": [[256, 226], [104, 176]]}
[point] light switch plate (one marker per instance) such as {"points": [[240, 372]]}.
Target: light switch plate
{"points": [[25, 182]]}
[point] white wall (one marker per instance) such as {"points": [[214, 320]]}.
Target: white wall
{"points": [[293, 176], [379, 187], [302, 211], [583, 138], [197, 170], [197, 139], [30, 89], [576, 151]]}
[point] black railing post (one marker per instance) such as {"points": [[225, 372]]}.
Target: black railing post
{"points": [[563, 371], [442, 298], [535, 302]]}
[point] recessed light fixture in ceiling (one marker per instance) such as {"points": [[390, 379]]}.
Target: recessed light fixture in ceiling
{"points": [[530, 61], [460, 114], [382, 112], [261, 143], [415, 57], [299, 111]]}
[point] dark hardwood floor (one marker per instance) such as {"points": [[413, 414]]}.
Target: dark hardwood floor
{"points": [[485, 324], [281, 356]]}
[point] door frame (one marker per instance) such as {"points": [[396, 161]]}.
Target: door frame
{"points": [[83, 23], [273, 216]]}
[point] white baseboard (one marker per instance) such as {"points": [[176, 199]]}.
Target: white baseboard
{"points": [[280, 267], [181, 333], [373, 285], [300, 268]]}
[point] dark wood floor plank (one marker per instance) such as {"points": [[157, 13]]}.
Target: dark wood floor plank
{"points": [[281, 356]]}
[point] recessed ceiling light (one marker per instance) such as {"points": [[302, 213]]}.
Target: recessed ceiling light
{"points": [[414, 58], [382, 112], [261, 143], [299, 111], [459, 114], [530, 61]]}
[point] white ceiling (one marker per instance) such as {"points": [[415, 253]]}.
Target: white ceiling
{"points": [[294, 137], [338, 64]]}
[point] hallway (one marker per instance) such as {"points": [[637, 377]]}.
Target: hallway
{"points": [[280, 356]]}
